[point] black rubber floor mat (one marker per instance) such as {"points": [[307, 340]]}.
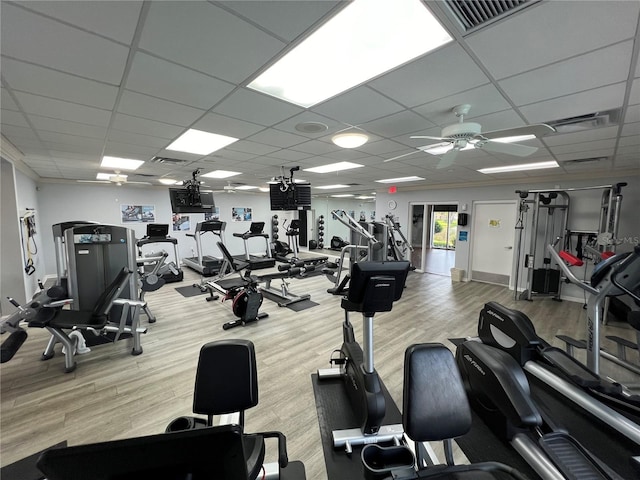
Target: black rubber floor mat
{"points": [[190, 291], [303, 305]]}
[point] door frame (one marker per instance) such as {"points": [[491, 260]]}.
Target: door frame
{"points": [[427, 228], [473, 235]]}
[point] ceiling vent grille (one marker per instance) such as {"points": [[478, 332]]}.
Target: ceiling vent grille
{"points": [[589, 121], [475, 13], [168, 161]]}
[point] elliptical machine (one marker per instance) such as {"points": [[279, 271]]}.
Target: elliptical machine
{"points": [[374, 287]]}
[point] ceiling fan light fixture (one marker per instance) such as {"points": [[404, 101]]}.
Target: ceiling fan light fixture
{"points": [[168, 181], [350, 139]]}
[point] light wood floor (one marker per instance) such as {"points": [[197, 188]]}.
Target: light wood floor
{"points": [[114, 395]]}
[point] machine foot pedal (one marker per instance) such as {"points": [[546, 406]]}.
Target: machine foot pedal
{"points": [[572, 459], [572, 341], [623, 341]]}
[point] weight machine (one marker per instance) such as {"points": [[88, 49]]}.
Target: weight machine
{"points": [[366, 244], [550, 207]]}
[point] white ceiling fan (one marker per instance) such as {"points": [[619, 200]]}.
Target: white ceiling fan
{"points": [[228, 188], [466, 135], [115, 177]]}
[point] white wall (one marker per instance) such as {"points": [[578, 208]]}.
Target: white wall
{"points": [[27, 198], [101, 203]]}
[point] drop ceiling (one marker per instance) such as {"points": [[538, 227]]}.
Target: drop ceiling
{"points": [[83, 79]]}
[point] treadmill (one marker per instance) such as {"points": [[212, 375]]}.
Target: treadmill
{"points": [[256, 262], [205, 264], [159, 233]]}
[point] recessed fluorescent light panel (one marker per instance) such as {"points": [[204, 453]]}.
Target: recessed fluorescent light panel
{"points": [[120, 163], [514, 139], [107, 176], [333, 167], [245, 187], [343, 195], [329, 187], [364, 40], [400, 179], [220, 174], [519, 168], [200, 143]]}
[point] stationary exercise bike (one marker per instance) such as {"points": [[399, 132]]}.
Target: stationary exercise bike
{"points": [[242, 291], [374, 287]]}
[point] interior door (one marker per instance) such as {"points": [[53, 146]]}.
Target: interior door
{"points": [[492, 241]]}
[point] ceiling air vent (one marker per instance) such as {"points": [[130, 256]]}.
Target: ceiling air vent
{"points": [[585, 160], [168, 161], [475, 13], [589, 121]]}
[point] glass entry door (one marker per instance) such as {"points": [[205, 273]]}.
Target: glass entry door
{"points": [[444, 227]]}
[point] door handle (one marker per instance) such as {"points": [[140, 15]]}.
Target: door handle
{"points": [[509, 248]]}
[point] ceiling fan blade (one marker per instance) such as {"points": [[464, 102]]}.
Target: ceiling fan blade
{"points": [[448, 158], [442, 139], [508, 148], [400, 156], [539, 130]]}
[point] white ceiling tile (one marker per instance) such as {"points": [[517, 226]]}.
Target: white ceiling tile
{"points": [[277, 138], [633, 114], [140, 105], [211, 39], [438, 74], [159, 78], [84, 150], [483, 100], [146, 127], [6, 101], [63, 138], [581, 103], [315, 147], [18, 132], [257, 108], [401, 123], [63, 126], [122, 136], [223, 125], [138, 152], [286, 19], [231, 155], [595, 69], [597, 145], [48, 107], [552, 31], [116, 20], [49, 83], [288, 155], [252, 147], [10, 117], [358, 106], [630, 129], [33, 38]]}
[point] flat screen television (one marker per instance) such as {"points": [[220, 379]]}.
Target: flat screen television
{"points": [[185, 201], [296, 197]]}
